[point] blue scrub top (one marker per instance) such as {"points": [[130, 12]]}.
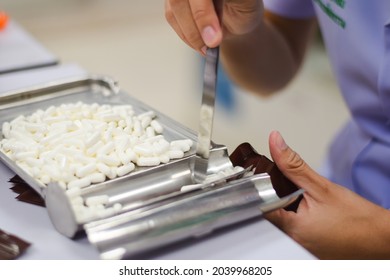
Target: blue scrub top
{"points": [[357, 39]]}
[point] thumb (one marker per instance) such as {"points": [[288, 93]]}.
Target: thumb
{"points": [[295, 168]]}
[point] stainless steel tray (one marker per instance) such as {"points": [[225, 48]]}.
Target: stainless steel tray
{"points": [[148, 195]]}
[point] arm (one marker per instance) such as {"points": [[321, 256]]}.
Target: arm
{"points": [[266, 59], [261, 51], [331, 221]]}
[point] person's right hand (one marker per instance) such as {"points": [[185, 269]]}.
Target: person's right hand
{"points": [[197, 24]]}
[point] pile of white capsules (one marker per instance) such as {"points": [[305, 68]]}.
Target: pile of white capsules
{"points": [[80, 144]]}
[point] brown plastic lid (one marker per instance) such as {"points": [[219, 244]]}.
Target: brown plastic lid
{"points": [[11, 246], [245, 155]]}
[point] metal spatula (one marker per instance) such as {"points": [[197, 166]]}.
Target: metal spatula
{"points": [[207, 107]]}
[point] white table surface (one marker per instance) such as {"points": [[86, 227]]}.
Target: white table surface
{"points": [[256, 239]]}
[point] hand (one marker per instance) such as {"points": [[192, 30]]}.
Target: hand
{"points": [[331, 222], [196, 22]]}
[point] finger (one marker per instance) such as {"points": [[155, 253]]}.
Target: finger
{"points": [[179, 15], [295, 168], [170, 17], [207, 22]]}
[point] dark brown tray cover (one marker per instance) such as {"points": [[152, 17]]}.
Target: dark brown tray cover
{"points": [[245, 155]]}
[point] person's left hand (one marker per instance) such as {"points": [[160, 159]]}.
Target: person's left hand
{"points": [[331, 221]]}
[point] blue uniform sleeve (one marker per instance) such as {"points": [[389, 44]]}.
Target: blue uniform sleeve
{"points": [[291, 8]]}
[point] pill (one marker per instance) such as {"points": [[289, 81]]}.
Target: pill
{"points": [[150, 114], [93, 139], [80, 183], [93, 150], [98, 199], [6, 129], [148, 161], [164, 158], [110, 160], [97, 177], [103, 168], [175, 154], [105, 213], [113, 173], [117, 207], [181, 145], [106, 149], [26, 155], [124, 158], [125, 169], [150, 132], [86, 170], [157, 126], [144, 149], [74, 193]]}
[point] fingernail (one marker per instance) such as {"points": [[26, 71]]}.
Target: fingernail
{"points": [[281, 144], [209, 35]]}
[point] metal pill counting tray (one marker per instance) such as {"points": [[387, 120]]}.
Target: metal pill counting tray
{"points": [[160, 205]]}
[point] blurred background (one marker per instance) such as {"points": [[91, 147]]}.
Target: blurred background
{"points": [[132, 42]]}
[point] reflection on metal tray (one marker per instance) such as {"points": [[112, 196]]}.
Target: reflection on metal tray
{"points": [[155, 210]]}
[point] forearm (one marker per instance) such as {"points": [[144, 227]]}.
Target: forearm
{"points": [[266, 59]]}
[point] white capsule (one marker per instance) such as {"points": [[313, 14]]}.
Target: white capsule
{"points": [[164, 158], [52, 171], [84, 216], [117, 207], [160, 147], [96, 200], [74, 194], [148, 161], [82, 159], [124, 158], [131, 154], [149, 114], [106, 149], [122, 123], [113, 173], [150, 132], [57, 119], [157, 126], [125, 169], [145, 121], [180, 145], [86, 170], [110, 117], [26, 155], [93, 139], [18, 135], [45, 179], [80, 183], [144, 149], [75, 199], [97, 177], [137, 128], [6, 129], [110, 160], [105, 213], [93, 150], [121, 144], [103, 168], [107, 135], [175, 154]]}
